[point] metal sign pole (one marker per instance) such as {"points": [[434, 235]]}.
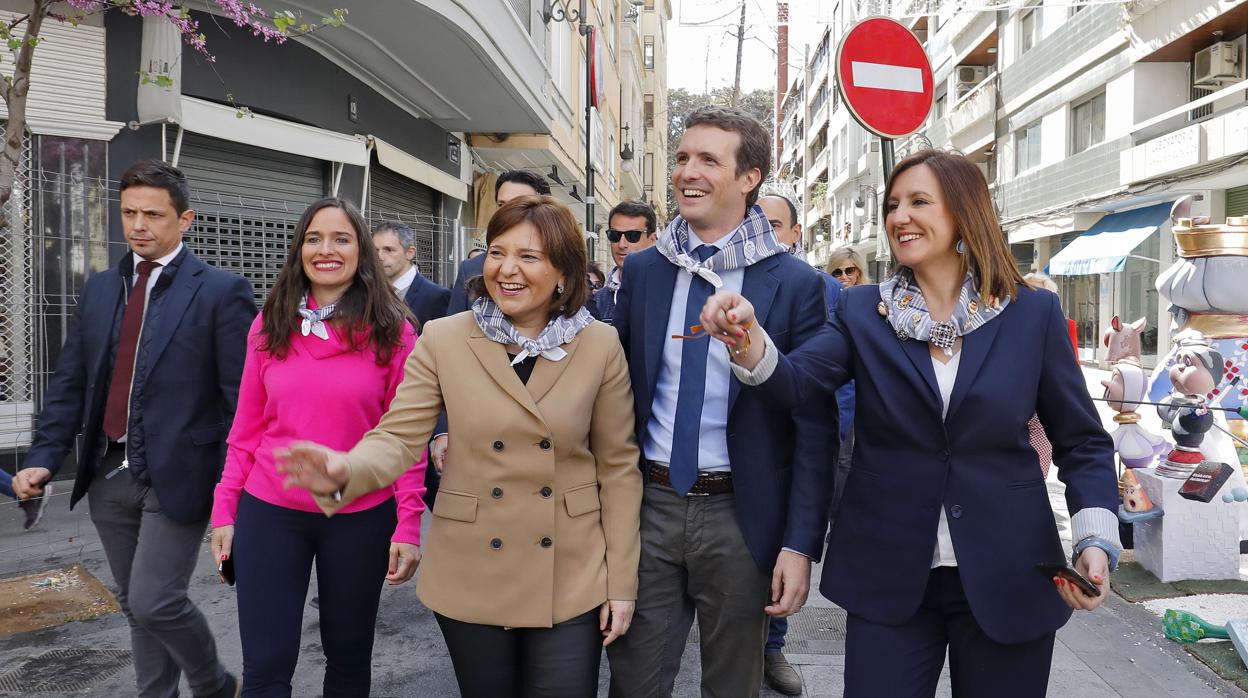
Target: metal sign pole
{"points": [[887, 159]]}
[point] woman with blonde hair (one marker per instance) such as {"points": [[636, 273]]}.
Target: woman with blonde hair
{"points": [[945, 517], [847, 266]]}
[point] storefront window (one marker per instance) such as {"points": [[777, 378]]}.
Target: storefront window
{"points": [[69, 202], [1139, 294]]}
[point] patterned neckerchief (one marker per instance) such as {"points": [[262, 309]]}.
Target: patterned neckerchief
{"points": [[753, 241], [558, 332], [314, 320], [901, 302]]}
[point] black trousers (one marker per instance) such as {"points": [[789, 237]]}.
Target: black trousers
{"points": [[904, 661], [495, 662], [274, 550]]}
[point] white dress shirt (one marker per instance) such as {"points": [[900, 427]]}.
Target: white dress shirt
{"points": [[405, 282], [946, 375], [161, 263], [713, 437]]}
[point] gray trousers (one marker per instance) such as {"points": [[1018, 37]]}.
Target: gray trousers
{"points": [[693, 560], [152, 558]]}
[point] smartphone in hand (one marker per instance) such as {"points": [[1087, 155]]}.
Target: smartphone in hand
{"points": [[226, 570], [1070, 574]]}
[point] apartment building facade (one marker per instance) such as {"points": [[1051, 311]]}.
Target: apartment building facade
{"points": [[1092, 120], [830, 162], [631, 61]]}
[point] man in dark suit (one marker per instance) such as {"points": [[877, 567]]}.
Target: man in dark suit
{"points": [[147, 383], [509, 185], [735, 504], [396, 247], [631, 227]]}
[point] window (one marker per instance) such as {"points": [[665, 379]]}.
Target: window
{"points": [[941, 104], [647, 113], [844, 154], [1075, 9], [1027, 148], [1028, 30], [650, 5], [560, 58], [1087, 124], [647, 171], [647, 54], [611, 28]]}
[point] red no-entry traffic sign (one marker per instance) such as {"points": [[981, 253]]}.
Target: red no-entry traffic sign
{"points": [[883, 74]]}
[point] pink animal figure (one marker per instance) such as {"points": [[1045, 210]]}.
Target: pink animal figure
{"points": [[1123, 340], [1136, 446]]}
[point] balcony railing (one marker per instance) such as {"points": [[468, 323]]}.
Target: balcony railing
{"points": [[1221, 136], [975, 105]]}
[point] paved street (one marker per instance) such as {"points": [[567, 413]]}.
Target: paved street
{"points": [[1117, 651]]}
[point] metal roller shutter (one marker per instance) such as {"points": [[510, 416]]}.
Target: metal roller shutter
{"points": [[1237, 201], [247, 201], [395, 197]]}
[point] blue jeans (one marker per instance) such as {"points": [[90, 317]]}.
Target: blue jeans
{"points": [[777, 628], [6, 484]]}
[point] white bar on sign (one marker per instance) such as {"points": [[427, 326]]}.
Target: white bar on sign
{"points": [[882, 76]]}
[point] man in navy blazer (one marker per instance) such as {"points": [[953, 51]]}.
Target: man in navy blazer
{"points": [[509, 185], [737, 544], [396, 248], [145, 389]]}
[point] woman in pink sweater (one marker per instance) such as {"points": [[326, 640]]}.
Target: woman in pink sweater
{"points": [[324, 358]]}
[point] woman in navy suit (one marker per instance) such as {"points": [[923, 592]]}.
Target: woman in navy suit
{"points": [[945, 515]]}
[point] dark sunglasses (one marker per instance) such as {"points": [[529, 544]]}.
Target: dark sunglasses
{"points": [[633, 236], [838, 273]]}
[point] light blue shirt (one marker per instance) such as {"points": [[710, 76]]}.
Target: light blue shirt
{"points": [[713, 439]]}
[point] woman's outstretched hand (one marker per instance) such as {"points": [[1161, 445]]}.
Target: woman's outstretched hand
{"points": [[729, 317], [313, 467]]}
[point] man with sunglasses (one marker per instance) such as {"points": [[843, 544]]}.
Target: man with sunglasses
{"points": [[631, 228]]}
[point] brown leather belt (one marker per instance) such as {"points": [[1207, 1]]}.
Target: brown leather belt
{"points": [[706, 484]]}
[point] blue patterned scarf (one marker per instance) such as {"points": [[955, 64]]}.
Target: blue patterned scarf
{"points": [[314, 320], [559, 331], [753, 241], [901, 302]]}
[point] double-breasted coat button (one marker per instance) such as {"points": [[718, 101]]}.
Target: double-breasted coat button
{"points": [[545, 444], [547, 542], [956, 511], [498, 445], [546, 492], [496, 543], [497, 493]]}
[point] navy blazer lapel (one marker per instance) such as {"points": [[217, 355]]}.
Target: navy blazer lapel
{"points": [[921, 357], [656, 305], [173, 307], [759, 286], [113, 299], [975, 348]]}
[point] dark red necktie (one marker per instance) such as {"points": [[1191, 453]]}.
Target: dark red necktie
{"points": [[117, 409]]}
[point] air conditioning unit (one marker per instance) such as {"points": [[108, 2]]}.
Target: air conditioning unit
{"points": [[1217, 65], [973, 74], [968, 76]]}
